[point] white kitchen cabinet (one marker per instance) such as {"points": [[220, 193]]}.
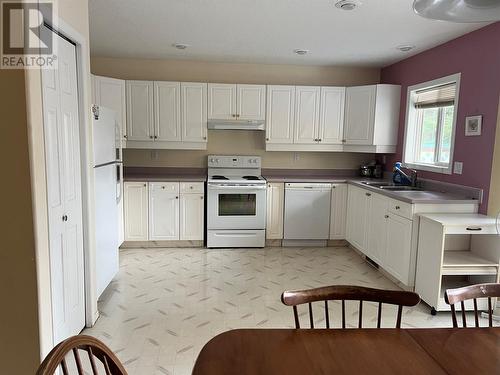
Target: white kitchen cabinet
{"points": [[338, 216], [194, 112], [331, 119], [275, 202], [111, 93], [399, 238], [221, 101], [167, 122], [136, 211], [280, 111], [307, 99], [377, 236], [372, 118], [251, 102], [163, 211], [357, 208], [140, 117], [192, 208]]}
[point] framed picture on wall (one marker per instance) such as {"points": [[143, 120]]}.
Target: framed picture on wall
{"points": [[473, 125]]}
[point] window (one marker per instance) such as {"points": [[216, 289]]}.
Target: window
{"points": [[430, 124]]}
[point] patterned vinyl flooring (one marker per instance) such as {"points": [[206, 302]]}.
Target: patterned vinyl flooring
{"points": [[165, 304]]}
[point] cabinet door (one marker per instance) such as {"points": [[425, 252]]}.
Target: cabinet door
{"points": [[275, 200], [331, 119], [251, 102], [136, 211], [194, 112], [140, 111], [280, 114], [359, 115], [192, 208], [338, 214], [377, 228], [221, 101], [306, 114], [110, 93], [397, 257], [163, 211], [357, 205], [167, 99]]}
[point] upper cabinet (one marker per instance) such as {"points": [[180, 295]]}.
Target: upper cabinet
{"points": [[331, 119], [371, 118], [171, 115], [110, 93], [236, 102], [280, 115], [307, 99]]}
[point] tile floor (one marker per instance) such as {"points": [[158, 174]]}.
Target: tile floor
{"points": [[165, 304]]}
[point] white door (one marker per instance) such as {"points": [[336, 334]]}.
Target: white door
{"points": [[397, 258], [221, 101], [62, 152], [194, 112], [140, 111], [338, 216], [275, 202], [110, 93], [135, 204], [306, 114], [167, 105], [377, 228], [163, 211], [280, 114], [192, 208], [331, 119], [359, 114], [251, 102], [357, 205]]}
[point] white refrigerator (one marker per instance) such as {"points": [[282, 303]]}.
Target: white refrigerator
{"points": [[108, 194]]}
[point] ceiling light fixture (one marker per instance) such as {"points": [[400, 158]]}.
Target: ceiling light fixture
{"points": [[180, 45], [301, 52], [347, 4], [405, 48], [458, 10]]}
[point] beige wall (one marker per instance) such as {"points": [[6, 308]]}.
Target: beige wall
{"points": [[232, 142], [494, 198]]}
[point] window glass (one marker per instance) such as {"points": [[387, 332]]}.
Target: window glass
{"points": [[429, 126], [237, 204], [446, 133]]}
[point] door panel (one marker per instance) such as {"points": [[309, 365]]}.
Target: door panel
{"points": [[194, 112], [163, 211], [221, 101], [357, 217], [306, 114], [110, 93], [360, 114], [377, 228], [275, 202], [136, 211], [398, 247], [167, 98], [140, 111], [251, 102], [192, 207], [331, 124], [338, 216], [280, 114]]}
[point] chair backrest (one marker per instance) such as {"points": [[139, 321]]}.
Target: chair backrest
{"points": [[453, 296], [348, 293], [94, 348]]}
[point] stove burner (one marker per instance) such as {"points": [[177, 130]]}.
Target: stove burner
{"points": [[216, 177], [251, 177]]}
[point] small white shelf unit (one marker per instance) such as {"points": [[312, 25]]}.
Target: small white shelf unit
{"points": [[455, 250]]}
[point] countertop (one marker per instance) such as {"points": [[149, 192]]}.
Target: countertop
{"points": [[164, 174]]}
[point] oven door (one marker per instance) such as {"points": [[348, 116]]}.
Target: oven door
{"points": [[236, 206]]}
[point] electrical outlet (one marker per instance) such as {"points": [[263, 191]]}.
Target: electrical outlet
{"points": [[154, 155], [458, 167], [296, 156]]}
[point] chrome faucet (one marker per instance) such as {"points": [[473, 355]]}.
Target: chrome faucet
{"points": [[414, 174]]}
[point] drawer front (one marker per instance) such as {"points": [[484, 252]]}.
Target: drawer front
{"points": [[471, 229], [401, 209], [192, 187], [170, 187]]}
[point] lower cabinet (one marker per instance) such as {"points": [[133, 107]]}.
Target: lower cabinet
{"points": [[338, 213], [164, 211], [357, 208], [399, 231], [376, 241], [275, 203]]}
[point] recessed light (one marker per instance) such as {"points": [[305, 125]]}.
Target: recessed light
{"points": [[180, 45], [405, 48], [347, 4], [301, 52]]}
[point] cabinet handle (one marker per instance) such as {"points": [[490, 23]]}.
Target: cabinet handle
{"points": [[163, 187], [343, 141], [151, 137], [267, 139], [65, 218], [319, 140], [233, 115], [201, 197], [386, 216], [156, 136], [474, 229], [397, 207], [144, 185], [205, 137], [368, 194], [125, 136], [333, 187], [177, 197]]}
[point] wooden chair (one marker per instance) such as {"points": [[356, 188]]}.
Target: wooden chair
{"points": [[453, 296], [348, 293], [94, 348]]}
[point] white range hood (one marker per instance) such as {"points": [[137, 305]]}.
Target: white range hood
{"points": [[236, 124]]}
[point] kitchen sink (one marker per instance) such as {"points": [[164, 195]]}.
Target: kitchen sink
{"points": [[399, 188]]}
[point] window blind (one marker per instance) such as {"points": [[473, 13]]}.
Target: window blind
{"points": [[441, 96]]}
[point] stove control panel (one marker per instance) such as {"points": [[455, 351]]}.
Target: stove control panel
{"points": [[227, 161]]}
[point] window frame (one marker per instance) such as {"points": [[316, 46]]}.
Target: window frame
{"points": [[413, 128]]}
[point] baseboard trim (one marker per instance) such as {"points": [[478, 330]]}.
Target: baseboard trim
{"points": [[152, 244]]}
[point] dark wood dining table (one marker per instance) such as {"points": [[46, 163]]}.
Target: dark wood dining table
{"points": [[352, 351]]}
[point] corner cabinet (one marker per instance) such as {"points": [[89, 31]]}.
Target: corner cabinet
{"points": [[275, 206], [372, 118]]}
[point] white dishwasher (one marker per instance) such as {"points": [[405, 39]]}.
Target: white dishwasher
{"points": [[307, 211]]}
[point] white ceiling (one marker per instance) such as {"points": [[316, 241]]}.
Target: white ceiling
{"points": [[265, 31]]}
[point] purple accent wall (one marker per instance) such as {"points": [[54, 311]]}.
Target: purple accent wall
{"points": [[477, 56]]}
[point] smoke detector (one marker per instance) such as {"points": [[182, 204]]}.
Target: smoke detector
{"points": [[301, 52], [405, 48], [347, 4]]}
